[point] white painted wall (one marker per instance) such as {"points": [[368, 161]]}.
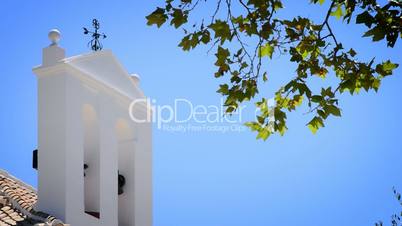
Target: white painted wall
{"points": [[83, 117], [91, 158]]}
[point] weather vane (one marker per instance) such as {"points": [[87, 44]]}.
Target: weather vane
{"points": [[95, 43]]}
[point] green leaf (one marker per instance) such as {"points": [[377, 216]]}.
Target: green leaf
{"points": [[315, 124], [254, 126], [282, 129], [376, 84], [221, 55], [266, 50], [178, 18], [185, 43], [332, 109], [322, 114], [386, 68], [278, 5], [319, 1], [221, 29], [365, 18], [264, 77], [297, 100], [316, 98], [338, 13], [377, 32], [352, 52], [221, 61], [206, 37], [224, 89], [157, 17], [264, 134]]}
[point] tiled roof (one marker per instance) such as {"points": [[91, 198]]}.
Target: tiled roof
{"points": [[17, 201], [11, 216]]}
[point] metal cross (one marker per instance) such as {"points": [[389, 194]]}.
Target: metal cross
{"points": [[95, 43]]}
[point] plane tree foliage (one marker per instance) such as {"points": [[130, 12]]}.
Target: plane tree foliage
{"points": [[396, 219], [245, 34]]}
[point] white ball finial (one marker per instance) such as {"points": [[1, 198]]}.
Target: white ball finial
{"points": [[54, 36], [136, 79]]}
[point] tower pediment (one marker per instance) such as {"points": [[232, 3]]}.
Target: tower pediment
{"points": [[104, 67]]}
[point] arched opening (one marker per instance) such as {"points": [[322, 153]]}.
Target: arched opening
{"points": [[91, 162], [125, 147]]}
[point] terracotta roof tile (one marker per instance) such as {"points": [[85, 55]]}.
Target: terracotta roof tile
{"points": [[11, 216], [17, 200]]}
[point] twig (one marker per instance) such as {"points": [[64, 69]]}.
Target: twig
{"points": [[216, 11]]}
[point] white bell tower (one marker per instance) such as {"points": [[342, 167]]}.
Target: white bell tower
{"points": [[94, 162]]}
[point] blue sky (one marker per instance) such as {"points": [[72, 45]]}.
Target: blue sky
{"points": [[343, 175]]}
